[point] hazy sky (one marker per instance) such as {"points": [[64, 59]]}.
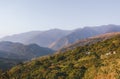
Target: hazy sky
{"points": [[25, 15]]}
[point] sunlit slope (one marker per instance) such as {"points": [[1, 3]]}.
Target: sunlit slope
{"points": [[96, 61]]}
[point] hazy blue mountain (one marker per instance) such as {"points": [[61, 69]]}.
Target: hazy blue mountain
{"points": [[56, 39], [22, 38], [48, 37], [20, 51], [42, 38], [84, 33]]}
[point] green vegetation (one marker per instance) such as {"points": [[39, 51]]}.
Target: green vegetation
{"points": [[12, 54], [20, 51], [97, 61]]}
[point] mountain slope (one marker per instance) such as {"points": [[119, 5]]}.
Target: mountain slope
{"points": [[74, 36], [83, 34], [48, 37], [96, 61], [22, 38], [90, 40], [42, 38], [20, 51]]}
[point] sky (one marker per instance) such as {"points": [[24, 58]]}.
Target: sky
{"points": [[17, 16]]}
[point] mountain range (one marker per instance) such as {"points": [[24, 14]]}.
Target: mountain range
{"points": [[42, 38], [57, 39], [84, 33], [99, 60], [79, 52], [82, 53]]}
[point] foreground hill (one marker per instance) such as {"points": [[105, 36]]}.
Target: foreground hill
{"points": [[19, 51], [100, 60], [84, 33]]}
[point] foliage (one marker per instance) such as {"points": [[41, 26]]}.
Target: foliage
{"points": [[84, 62]]}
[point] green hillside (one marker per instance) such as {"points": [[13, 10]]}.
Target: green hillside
{"points": [[20, 51], [96, 61], [14, 53]]}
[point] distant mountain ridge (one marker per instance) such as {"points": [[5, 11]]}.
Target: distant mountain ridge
{"points": [[42, 38], [56, 39], [48, 37], [84, 33], [22, 37]]}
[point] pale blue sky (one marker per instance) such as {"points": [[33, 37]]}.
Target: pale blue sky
{"points": [[26, 15]]}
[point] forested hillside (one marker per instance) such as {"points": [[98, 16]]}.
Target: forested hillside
{"points": [[13, 53], [96, 61], [12, 50]]}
